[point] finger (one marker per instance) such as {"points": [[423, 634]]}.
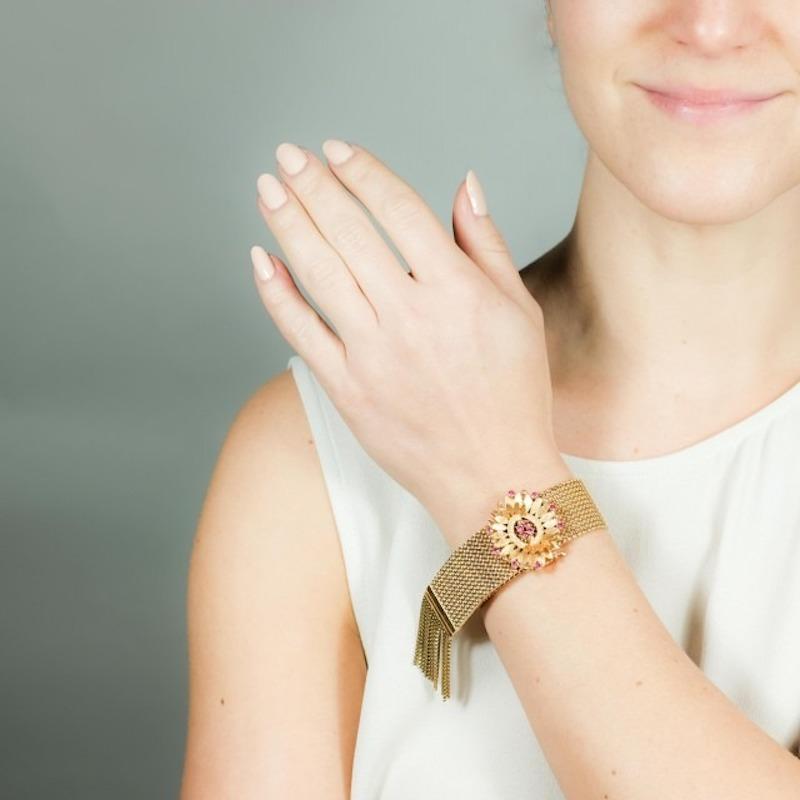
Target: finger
{"points": [[344, 224], [301, 326], [318, 266], [477, 235], [416, 231]]}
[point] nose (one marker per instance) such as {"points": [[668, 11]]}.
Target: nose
{"points": [[712, 27]]}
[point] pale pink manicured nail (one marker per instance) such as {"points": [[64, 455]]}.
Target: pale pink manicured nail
{"points": [[290, 157], [262, 263], [271, 190], [476, 197], [336, 151]]}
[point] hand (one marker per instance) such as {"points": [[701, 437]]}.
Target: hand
{"points": [[442, 373]]}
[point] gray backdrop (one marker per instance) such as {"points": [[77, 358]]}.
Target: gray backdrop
{"points": [[130, 330]]}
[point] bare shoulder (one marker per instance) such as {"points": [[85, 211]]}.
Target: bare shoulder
{"points": [[276, 667]]}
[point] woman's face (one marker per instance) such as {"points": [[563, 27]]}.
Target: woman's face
{"points": [[686, 164]]}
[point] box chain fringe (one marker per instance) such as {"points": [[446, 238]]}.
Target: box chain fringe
{"points": [[473, 573]]}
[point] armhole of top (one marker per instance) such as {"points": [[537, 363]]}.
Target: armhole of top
{"points": [[335, 478]]}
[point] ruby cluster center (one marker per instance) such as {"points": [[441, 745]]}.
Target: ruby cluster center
{"points": [[524, 529]]}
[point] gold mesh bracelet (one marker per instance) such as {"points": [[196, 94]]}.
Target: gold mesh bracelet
{"points": [[526, 531]]}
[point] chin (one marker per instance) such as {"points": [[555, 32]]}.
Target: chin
{"points": [[698, 200], [698, 187]]}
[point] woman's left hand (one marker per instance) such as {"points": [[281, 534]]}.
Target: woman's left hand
{"points": [[441, 374]]}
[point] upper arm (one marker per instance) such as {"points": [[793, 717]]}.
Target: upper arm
{"points": [[276, 667]]}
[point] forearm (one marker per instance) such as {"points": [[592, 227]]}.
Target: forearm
{"points": [[619, 709]]}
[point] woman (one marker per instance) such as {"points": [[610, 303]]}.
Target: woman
{"points": [[653, 353]]}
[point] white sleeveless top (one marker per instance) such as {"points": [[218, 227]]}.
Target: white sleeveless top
{"points": [[720, 566]]}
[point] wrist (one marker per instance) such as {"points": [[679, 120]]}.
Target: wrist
{"points": [[529, 529], [462, 507]]}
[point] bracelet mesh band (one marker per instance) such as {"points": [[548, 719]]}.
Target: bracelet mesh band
{"points": [[478, 567]]}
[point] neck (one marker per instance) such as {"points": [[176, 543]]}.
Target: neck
{"points": [[629, 294]]}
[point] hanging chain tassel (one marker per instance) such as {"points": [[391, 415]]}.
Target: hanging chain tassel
{"points": [[526, 531], [434, 642]]}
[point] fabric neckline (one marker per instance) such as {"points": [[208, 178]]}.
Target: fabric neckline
{"points": [[701, 449]]}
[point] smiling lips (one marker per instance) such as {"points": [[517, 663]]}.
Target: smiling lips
{"points": [[705, 105]]}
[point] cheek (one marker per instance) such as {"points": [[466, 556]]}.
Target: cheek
{"points": [[593, 39]]}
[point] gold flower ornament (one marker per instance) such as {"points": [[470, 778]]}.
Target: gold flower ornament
{"points": [[525, 530]]}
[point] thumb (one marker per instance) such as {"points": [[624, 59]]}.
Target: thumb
{"points": [[477, 235]]}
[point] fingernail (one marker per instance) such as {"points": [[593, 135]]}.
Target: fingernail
{"points": [[475, 192], [336, 151], [262, 263], [290, 157], [271, 190]]}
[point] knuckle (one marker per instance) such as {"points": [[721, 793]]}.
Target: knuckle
{"points": [[308, 181], [402, 209], [493, 243], [280, 300], [362, 168], [285, 218], [299, 328], [350, 234], [322, 271]]}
